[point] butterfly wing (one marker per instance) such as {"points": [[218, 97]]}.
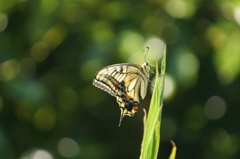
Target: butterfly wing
{"points": [[125, 82], [108, 78]]}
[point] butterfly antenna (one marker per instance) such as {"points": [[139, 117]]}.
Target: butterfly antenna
{"points": [[145, 58], [121, 117], [145, 52]]}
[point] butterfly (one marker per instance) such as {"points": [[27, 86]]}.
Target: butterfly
{"points": [[126, 82]]}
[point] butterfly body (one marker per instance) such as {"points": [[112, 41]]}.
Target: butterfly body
{"points": [[126, 82]]}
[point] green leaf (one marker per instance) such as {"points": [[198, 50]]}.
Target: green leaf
{"points": [[151, 136]]}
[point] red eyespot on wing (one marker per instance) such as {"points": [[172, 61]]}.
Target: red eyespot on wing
{"points": [[135, 107]]}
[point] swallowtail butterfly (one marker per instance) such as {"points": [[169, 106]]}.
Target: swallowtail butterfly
{"points": [[126, 82]]}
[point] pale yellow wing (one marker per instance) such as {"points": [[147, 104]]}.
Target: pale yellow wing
{"points": [[125, 82]]}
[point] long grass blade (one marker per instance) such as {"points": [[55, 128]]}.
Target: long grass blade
{"points": [[151, 136]]}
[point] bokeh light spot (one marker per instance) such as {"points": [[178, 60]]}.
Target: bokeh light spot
{"points": [[55, 35], [3, 22], [224, 143], [36, 154], [68, 148], [226, 58], [24, 110], [9, 70], [45, 118], [39, 51], [176, 8], [136, 58], [180, 8], [215, 108], [216, 36], [130, 42], [156, 48], [102, 32], [169, 88], [236, 15], [187, 66], [118, 10], [42, 154], [49, 6]]}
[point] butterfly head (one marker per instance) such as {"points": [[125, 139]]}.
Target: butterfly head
{"points": [[146, 67]]}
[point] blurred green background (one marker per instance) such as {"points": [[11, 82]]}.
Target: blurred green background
{"points": [[51, 49]]}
